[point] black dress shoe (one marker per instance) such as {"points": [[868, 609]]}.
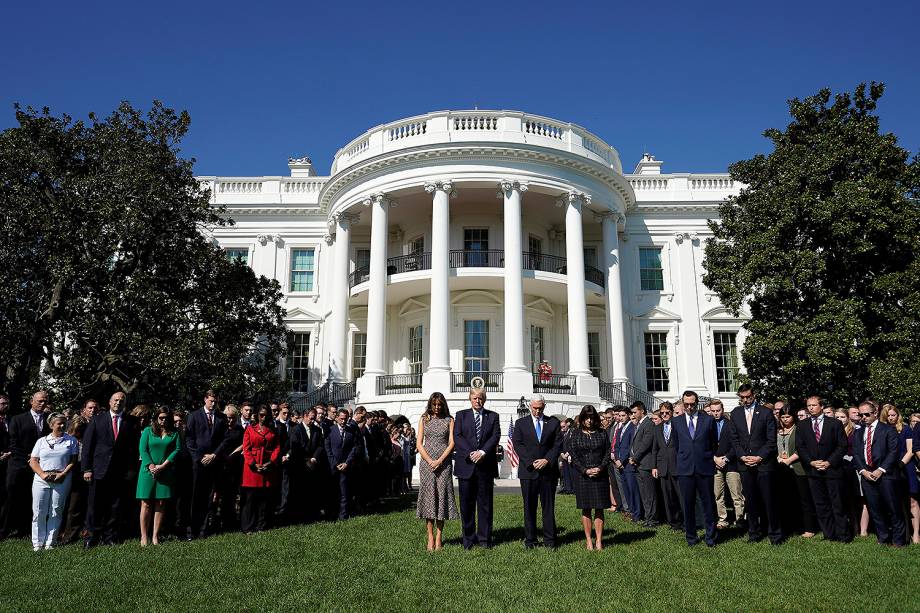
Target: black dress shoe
{"points": [[754, 538], [88, 544], [692, 542], [710, 543]]}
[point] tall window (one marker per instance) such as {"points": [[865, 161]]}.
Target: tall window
{"points": [[594, 353], [590, 254], [358, 354], [726, 344], [476, 345], [651, 277], [302, 267], [534, 244], [535, 249], [416, 342], [237, 254], [657, 370], [298, 361], [362, 259], [416, 246], [476, 239], [536, 347]]}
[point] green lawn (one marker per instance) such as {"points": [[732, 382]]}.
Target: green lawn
{"points": [[379, 562]]}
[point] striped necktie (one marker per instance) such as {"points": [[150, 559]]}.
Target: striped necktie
{"points": [[478, 418]]}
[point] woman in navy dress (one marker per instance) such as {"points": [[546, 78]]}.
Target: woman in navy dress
{"points": [[589, 448]]}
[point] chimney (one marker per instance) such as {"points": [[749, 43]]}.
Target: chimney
{"points": [[648, 165], [301, 167]]}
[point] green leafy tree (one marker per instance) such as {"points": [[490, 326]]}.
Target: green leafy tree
{"points": [[108, 280], [822, 247]]}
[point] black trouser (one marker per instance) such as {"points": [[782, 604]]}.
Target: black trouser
{"points": [[826, 492], [228, 488], [568, 485], [760, 503], [254, 514], [806, 505], [204, 478], [886, 510], [648, 493], [75, 517], [543, 488], [700, 487], [341, 487], [614, 486], [476, 504], [17, 510], [109, 498], [670, 498]]}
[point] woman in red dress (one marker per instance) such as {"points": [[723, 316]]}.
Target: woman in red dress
{"points": [[260, 471]]}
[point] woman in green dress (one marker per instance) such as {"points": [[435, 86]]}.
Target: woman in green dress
{"points": [[160, 444]]}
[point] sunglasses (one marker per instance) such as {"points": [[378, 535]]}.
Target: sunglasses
{"points": [[162, 417], [865, 414], [665, 412]]}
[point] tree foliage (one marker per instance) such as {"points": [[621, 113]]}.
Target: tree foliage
{"points": [[107, 278], [821, 246]]}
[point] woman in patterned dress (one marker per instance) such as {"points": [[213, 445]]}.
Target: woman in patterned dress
{"points": [[436, 474], [589, 447]]}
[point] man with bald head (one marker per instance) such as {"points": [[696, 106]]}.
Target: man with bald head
{"points": [[110, 461], [24, 430]]}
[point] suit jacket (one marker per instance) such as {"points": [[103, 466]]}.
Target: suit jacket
{"points": [[282, 431], [760, 441], [694, 454], [303, 449], [529, 449], [103, 454], [202, 439], [624, 443], [665, 452], [642, 443], [22, 437], [342, 447], [832, 448], [884, 451], [465, 443], [725, 446]]}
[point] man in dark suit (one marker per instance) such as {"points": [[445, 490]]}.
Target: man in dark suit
{"points": [[23, 430], [280, 496], [821, 443], [753, 435], [665, 452], [307, 458], [727, 476], [643, 460], [538, 442], [875, 456], [109, 460], [342, 446], [5, 452], [204, 437], [627, 471], [476, 434], [695, 433]]}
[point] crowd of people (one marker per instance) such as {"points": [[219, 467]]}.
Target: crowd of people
{"points": [[100, 476]]}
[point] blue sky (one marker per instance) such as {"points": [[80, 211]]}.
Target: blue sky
{"points": [[695, 83]]}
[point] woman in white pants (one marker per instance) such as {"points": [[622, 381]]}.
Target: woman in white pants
{"points": [[52, 459]]}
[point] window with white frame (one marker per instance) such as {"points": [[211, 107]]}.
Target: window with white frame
{"points": [[475, 346], [358, 354], [303, 267], [298, 361], [727, 367], [590, 254], [594, 353], [416, 246], [657, 366], [362, 259], [237, 254], [416, 343], [537, 347], [651, 274]]}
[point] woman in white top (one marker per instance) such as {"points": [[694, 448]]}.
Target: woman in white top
{"points": [[52, 460]]}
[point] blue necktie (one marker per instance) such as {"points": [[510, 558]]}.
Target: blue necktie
{"points": [[478, 420], [719, 430], [690, 425], [667, 433], [539, 430]]}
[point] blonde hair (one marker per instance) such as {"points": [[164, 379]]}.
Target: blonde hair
{"points": [[848, 428], [886, 408]]}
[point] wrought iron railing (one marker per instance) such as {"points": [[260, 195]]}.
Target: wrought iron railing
{"points": [[625, 393], [594, 275], [336, 393], [408, 263], [544, 262], [492, 258], [358, 277], [553, 384], [399, 384], [462, 381]]}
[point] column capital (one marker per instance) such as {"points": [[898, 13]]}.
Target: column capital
{"points": [[344, 218], [680, 237], [506, 186], [377, 198], [330, 239], [614, 216], [270, 238], [574, 198], [444, 186]]}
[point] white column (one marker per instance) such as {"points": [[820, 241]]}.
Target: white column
{"points": [[517, 377], [376, 296], [437, 377], [615, 321], [337, 330], [689, 341], [577, 308]]}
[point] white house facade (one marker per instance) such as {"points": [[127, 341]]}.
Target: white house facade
{"points": [[465, 244]]}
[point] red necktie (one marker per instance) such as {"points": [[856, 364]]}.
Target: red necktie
{"points": [[210, 420], [115, 425], [817, 432], [616, 436], [869, 447]]}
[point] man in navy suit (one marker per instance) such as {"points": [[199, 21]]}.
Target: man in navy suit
{"points": [[875, 456], [23, 430], [342, 447], [753, 435], [696, 445], [476, 434], [110, 461], [821, 444], [621, 449], [538, 442], [204, 437]]}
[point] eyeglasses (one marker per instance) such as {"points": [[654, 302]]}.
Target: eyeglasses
{"points": [[865, 414], [665, 412], [162, 417]]}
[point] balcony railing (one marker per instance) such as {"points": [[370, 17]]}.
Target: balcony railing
{"points": [[544, 262], [408, 263], [553, 384], [625, 393], [492, 258], [336, 393], [388, 385], [358, 277], [594, 275], [462, 381]]}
